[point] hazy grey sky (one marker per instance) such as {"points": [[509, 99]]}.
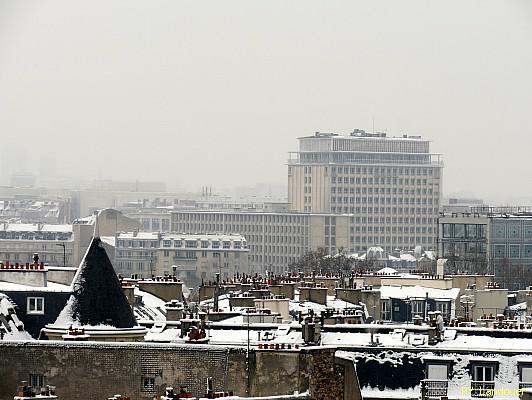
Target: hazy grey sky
{"points": [[217, 92]]}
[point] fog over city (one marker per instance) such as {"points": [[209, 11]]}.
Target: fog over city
{"points": [[215, 93]]}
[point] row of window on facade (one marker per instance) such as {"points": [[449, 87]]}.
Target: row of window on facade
{"points": [[387, 210], [416, 308], [383, 145], [28, 257], [377, 181], [483, 371], [388, 190], [393, 211], [241, 217], [363, 157], [512, 251], [384, 200], [194, 254], [191, 244], [378, 171], [385, 225], [25, 246], [243, 230], [400, 241], [59, 236], [285, 260], [464, 249], [142, 266], [511, 231], [155, 224], [463, 231], [478, 231]]}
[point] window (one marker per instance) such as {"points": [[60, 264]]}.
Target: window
{"points": [[459, 230], [385, 311], [500, 250], [471, 231], [437, 371], [482, 384], [148, 384], [515, 231], [167, 243], [525, 375], [514, 251], [35, 305], [443, 307], [36, 381], [417, 308], [499, 231], [484, 373]]}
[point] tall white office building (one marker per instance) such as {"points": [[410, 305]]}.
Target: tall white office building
{"points": [[390, 185]]}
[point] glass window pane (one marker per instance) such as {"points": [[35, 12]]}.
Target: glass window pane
{"points": [[526, 374], [471, 231], [459, 230], [436, 371]]}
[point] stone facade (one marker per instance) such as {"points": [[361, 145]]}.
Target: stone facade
{"points": [[97, 371]]}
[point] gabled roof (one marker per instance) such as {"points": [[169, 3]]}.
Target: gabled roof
{"points": [[97, 297]]}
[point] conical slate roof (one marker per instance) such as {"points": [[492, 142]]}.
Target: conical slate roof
{"points": [[97, 298]]}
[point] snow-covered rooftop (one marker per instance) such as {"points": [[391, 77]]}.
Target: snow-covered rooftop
{"points": [[50, 287], [14, 329], [421, 292], [8, 227]]}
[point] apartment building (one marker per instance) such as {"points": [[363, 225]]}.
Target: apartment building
{"points": [[189, 257], [497, 239], [55, 244], [391, 186], [275, 240], [58, 244]]}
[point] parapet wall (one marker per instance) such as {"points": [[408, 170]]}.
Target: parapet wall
{"points": [[91, 370]]}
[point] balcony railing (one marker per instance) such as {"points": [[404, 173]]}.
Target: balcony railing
{"points": [[435, 388], [525, 385], [482, 389]]}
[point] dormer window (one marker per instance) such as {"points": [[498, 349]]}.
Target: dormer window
{"points": [[35, 305], [525, 373], [483, 371], [437, 371]]}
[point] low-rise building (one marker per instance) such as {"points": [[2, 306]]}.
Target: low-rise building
{"points": [[58, 244], [275, 239], [191, 258]]}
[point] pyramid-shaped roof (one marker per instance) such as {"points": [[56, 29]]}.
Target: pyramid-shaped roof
{"points": [[97, 297]]}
